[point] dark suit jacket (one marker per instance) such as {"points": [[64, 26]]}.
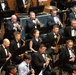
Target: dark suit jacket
{"points": [[38, 62], [71, 16], [9, 26], [67, 31], [6, 6], [50, 20], [30, 25], [64, 55], [13, 46], [2, 56], [20, 5], [50, 40]]}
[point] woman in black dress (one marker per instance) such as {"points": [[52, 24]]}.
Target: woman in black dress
{"points": [[35, 41]]}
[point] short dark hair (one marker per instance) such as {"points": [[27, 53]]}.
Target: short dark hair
{"points": [[27, 56], [11, 67], [74, 6], [42, 45], [16, 32], [69, 41], [55, 26]]}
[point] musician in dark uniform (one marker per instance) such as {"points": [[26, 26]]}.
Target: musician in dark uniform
{"points": [[41, 62], [4, 52], [32, 23], [67, 57], [11, 70], [70, 31], [72, 15], [35, 41], [74, 70], [11, 26], [52, 39], [16, 43], [23, 5], [3, 7]]}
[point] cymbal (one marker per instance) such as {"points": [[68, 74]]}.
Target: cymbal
{"points": [[50, 7]]}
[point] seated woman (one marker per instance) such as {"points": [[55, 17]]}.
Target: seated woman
{"points": [[35, 41]]}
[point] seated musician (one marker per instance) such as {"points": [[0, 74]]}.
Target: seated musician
{"points": [[35, 41], [72, 15], [67, 56], [4, 52], [32, 23], [54, 19], [16, 43], [11, 26], [25, 68], [11, 70], [41, 62], [23, 5], [3, 7], [74, 70], [70, 31], [52, 39]]}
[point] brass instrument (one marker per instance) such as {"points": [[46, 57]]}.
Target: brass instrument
{"points": [[57, 46]]}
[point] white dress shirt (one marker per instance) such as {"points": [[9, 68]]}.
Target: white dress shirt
{"points": [[23, 68], [71, 53], [73, 32], [3, 6], [5, 50], [24, 1]]}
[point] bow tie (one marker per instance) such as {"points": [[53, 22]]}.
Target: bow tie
{"points": [[73, 28]]}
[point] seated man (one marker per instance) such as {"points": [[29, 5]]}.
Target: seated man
{"points": [[72, 15], [11, 70], [11, 26], [32, 23], [23, 5], [41, 62], [3, 7], [74, 70], [67, 57], [70, 31], [16, 43], [4, 52], [52, 39], [24, 68], [54, 19]]}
